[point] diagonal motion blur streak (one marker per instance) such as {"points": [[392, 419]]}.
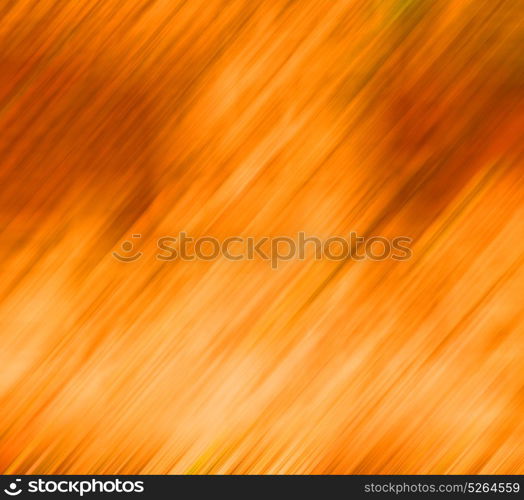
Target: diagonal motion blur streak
{"points": [[252, 118]]}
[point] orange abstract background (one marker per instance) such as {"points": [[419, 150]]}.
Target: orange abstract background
{"points": [[251, 118]]}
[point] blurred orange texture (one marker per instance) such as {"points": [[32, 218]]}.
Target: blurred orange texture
{"points": [[250, 118]]}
